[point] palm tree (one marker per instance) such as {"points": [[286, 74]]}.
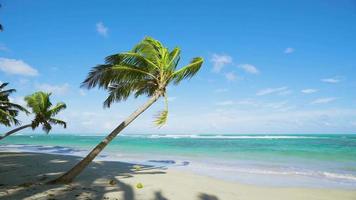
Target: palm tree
{"points": [[9, 110], [145, 70], [42, 108]]}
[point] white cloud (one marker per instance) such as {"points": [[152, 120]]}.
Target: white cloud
{"points": [[219, 61], [230, 76], [247, 102], [289, 50], [276, 105], [323, 100], [278, 122], [253, 105], [225, 103], [249, 68], [82, 92], [309, 91], [280, 90], [102, 29], [55, 89], [330, 80], [285, 92], [19, 67], [221, 90]]}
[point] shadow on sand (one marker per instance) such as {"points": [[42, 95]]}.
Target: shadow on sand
{"points": [[33, 170]]}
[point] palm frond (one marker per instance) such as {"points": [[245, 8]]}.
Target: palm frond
{"points": [[8, 117], [161, 118], [56, 109], [131, 59], [38, 101], [187, 71], [8, 109], [163, 115], [151, 49], [6, 92], [174, 57], [46, 127], [35, 123], [118, 92], [15, 106], [104, 75], [3, 85], [146, 87], [58, 122]]}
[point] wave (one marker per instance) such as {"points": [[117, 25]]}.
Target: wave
{"points": [[328, 175], [339, 176], [284, 172]]}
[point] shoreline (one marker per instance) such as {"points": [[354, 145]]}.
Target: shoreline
{"points": [[268, 171], [22, 174]]}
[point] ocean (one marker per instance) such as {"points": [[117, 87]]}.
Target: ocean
{"points": [[315, 160]]}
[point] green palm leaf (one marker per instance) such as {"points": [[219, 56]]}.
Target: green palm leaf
{"points": [[174, 58], [56, 109], [58, 122], [105, 75], [187, 71], [161, 118]]}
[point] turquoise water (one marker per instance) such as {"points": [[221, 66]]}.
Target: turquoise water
{"points": [[296, 160]]}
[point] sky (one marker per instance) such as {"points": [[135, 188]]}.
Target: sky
{"points": [[270, 67]]}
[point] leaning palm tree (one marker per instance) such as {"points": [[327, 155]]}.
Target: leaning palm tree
{"points": [[8, 109], [145, 70], [44, 112]]}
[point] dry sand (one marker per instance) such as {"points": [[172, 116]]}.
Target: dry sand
{"points": [[22, 176]]}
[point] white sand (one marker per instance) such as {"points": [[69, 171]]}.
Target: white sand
{"points": [[22, 176]]}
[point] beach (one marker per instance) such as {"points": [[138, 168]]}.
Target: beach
{"points": [[23, 176], [203, 167]]}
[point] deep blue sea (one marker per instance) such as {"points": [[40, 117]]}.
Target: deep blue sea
{"points": [[276, 160]]}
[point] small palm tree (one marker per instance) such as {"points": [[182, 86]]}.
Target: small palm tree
{"points": [[9, 110], [145, 70], [42, 108]]}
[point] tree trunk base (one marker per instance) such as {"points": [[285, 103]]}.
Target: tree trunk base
{"points": [[59, 181]]}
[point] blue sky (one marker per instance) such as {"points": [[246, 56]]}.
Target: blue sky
{"points": [[270, 67]]}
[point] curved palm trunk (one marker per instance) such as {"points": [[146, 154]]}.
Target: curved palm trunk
{"points": [[14, 131], [77, 169]]}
